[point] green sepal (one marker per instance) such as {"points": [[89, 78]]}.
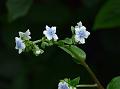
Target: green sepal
{"points": [[75, 81]]}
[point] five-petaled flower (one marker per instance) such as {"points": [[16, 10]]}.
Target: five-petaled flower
{"points": [[19, 44], [25, 35], [50, 33], [63, 85], [81, 33]]}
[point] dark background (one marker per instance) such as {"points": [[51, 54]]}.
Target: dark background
{"points": [[26, 71]]}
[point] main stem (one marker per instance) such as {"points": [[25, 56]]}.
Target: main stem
{"points": [[99, 86]]}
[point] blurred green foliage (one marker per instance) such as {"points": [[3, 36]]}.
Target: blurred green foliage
{"points": [[108, 16], [27, 71], [18, 8]]}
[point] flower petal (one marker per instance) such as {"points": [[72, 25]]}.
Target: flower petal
{"points": [[29, 37], [79, 23], [55, 37], [45, 32], [77, 29], [19, 44], [20, 51], [47, 27], [27, 33], [16, 38], [83, 28], [53, 29], [21, 34], [63, 85], [49, 37], [87, 34], [82, 40]]}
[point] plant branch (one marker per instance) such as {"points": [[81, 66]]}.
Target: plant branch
{"points": [[87, 85], [37, 41], [99, 86]]}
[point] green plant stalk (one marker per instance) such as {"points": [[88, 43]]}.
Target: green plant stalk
{"points": [[99, 86], [37, 41], [87, 85]]}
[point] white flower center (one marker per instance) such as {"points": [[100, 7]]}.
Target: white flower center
{"points": [[50, 32]]}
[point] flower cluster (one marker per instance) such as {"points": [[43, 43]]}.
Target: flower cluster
{"points": [[23, 41]]}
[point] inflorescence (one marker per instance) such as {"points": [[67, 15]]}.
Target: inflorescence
{"points": [[24, 43]]}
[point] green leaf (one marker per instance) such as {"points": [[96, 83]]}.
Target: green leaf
{"points": [[17, 8], [114, 84], [67, 41], [75, 81], [77, 53], [108, 16]]}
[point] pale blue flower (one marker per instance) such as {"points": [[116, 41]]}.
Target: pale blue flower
{"points": [[50, 33], [63, 85], [80, 33], [25, 35], [19, 44]]}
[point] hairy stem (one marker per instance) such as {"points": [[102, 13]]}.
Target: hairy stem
{"points": [[87, 85], [37, 41], [99, 86]]}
